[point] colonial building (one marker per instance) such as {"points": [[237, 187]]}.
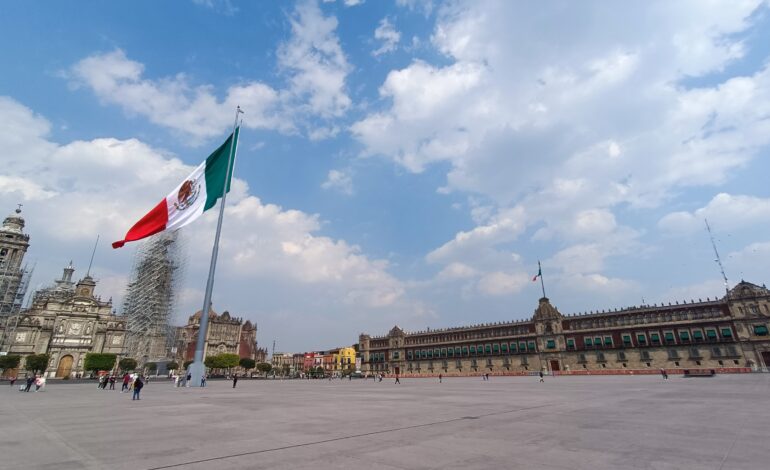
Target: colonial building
{"points": [[13, 245], [726, 333], [225, 334], [66, 321]]}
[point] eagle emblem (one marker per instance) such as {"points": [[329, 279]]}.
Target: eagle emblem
{"points": [[187, 195]]}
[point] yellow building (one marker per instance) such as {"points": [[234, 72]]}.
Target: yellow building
{"points": [[344, 359]]}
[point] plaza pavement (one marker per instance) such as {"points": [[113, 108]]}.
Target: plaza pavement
{"points": [[596, 423]]}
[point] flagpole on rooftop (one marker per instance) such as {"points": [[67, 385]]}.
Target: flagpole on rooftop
{"points": [[540, 270], [197, 369]]}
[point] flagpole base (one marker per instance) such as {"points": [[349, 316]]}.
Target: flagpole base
{"points": [[196, 371]]}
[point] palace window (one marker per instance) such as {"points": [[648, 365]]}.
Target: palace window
{"points": [[409, 355], [673, 354], [532, 346], [645, 355], [489, 362], [588, 342], [716, 352], [697, 335], [654, 338], [522, 347], [473, 350], [424, 354], [684, 335], [597, 341], [641, 339], [621, 356], [727, 333], [513, 348], [465, 351], [669, 337], [570, 343], [695, 353], [450, 352], [581, 358], [458, 351], [524, 361], [504, 348], [496, 348], [711, 334], [474, 363], [732, 351], [626, 340], [608, 341], [444, 364], [441, 352], [760, 330], [488, 349], [395, 355], [459, 364], [437, 353], [600, 357], [550, 344]]}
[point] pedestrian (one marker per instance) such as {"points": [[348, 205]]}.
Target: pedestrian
{"points": [[203, 380], [664, 374], [30, 381], [440, 377], [187, 380], [235, 380], [541, 376], [112, 382], [13, 381], [39, 383], [397, 381], [126, 379], [138, 384], [487, 374]]}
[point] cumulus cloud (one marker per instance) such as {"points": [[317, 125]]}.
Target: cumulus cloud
{"points": [[386, 33], [339, 180], [726, 210], [74, 191], [570, 128], [312, 60]]}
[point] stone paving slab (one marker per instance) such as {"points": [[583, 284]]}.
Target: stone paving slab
{"points": [[595, 423]]}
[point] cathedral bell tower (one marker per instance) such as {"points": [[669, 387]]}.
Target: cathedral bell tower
{"points": [[13, 246]]}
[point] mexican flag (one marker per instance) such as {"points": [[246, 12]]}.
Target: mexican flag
{"points": [[194, 196], [539, 272]]}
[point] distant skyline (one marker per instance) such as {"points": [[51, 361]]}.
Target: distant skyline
{"points": [[402, 162]]}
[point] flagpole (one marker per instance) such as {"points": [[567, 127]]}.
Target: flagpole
{"points": [[540, 270], [197, 369]]}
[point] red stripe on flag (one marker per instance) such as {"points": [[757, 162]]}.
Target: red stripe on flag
{"points": [[534, 279], [152, 223]]}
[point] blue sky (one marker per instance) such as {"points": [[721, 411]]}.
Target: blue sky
{"points": [[400, 163]]}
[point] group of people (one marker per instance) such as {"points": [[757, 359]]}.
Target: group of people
{"points": [[185, 380], [37, 380]]}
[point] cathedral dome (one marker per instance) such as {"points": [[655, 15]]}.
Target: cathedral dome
{"points": [[14, 223]]}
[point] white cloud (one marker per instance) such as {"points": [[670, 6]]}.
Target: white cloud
{"points": [[312, 60], [102, 186], [725, 210], [389, 36], [339, 180], [315, 61], [353, 3], [500, 283]]}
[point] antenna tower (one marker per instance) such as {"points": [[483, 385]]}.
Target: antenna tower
{"points": [[718, 259]]}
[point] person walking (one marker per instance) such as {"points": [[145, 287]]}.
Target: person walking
{"points": [[235, 380], [203, 380], [112, 382], [138, 384], [126, 379], [541, 376], [664, 374], [397, 381], [30, 381], [13, 381], [440, 377], [187, 380], [39, 382]]}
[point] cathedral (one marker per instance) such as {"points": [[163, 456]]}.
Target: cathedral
{"points": [[225, 334]]}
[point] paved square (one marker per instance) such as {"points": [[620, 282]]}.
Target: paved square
{"points": [[592, 423]]}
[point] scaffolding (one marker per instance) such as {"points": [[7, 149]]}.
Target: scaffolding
{"points": [[150, 297]]}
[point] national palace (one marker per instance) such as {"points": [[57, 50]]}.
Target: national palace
{"points": [[727, 334]]}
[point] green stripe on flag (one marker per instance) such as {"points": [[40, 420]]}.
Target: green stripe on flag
{"points": [[216, 166]]}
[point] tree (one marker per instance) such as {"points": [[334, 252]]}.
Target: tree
{"points": [[9, 362], [99, 361], [172, 366], [212, 362], [264, 367], [37, 362], [247, 363], [187, 364], [151, 366], [126, 364], [228, 360]]}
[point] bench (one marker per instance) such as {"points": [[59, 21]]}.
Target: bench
{"points": [[699, 372]]}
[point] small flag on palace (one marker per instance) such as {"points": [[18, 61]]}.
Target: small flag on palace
{"points": [[539, 273], [198, 193]]}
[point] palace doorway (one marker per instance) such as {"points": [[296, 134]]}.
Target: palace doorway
{"points": [[555, 365], [766, 358], [65, 367], [397, 370]]}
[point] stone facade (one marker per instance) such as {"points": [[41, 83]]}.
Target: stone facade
{"points": [[13, 246], [225, 334], [727, 333], [66, 321]]}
